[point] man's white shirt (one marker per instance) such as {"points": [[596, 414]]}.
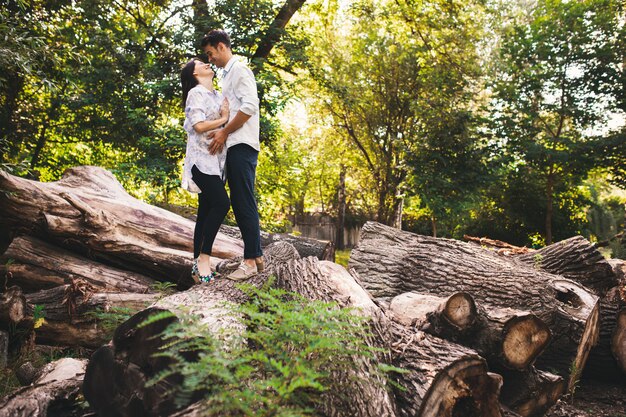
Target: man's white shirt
{"points": [[239, 87]]}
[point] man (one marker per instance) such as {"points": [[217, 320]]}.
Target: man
{"points": [[241, 137]]}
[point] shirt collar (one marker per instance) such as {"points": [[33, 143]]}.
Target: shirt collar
{"points": [[230, 64]]}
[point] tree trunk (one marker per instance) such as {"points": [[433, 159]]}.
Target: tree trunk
{"points": [[75, 315], [507, 338], [576, 259], [341, 210], [531, 392], [274, 32], [12, 307], [33, 265], [89, 211], [443, 378], [54, 393], [323, 250], [392, 262], [115, 380], [605, 360], [549, 208]]}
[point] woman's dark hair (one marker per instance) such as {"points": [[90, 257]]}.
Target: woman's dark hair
{"points": [[187, 79]]}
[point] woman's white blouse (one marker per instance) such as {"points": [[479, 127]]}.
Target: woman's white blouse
{"points": [[202, 104]]}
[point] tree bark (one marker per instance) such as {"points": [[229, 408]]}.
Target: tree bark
{"points": [[323, 250], [531, 392], [88, 211], [508, 339], [12, 307], [33, 265], [71, 313], [443, 378], [53, 393], [392, 262], [576, 259], [274, 32], [115, 380]]}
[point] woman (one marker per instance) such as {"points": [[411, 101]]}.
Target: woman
{"points": [[203, 173]]}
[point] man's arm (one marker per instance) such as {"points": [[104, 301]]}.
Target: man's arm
{"points": [[244, 87], [219, 136]]}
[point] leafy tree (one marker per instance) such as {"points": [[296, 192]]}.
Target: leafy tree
{"points": [[393, 71], [560, 76]]}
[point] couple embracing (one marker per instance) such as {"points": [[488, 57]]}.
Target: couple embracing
{"points": [[222, 145]]}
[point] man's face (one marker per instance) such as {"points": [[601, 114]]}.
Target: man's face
{"points": [[217, 55]]}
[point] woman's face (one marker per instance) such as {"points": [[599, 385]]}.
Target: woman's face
{"points": [[203, 70]]}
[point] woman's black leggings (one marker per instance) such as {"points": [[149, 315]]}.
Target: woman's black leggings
{"points": [[213, 204]]}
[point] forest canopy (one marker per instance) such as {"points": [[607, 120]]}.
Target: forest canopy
{"points": [[491, 118]]}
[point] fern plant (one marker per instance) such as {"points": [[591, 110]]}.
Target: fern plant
{"points": [[283, 363]]}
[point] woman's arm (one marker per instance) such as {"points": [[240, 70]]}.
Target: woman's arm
{"points": [[206, 125]]}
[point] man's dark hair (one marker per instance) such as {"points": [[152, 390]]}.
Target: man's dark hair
{"points": [[214, 37]]}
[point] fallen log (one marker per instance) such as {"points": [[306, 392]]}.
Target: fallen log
{"points": [[117, 373], [53, 393], [34, 265], [88, 211], [442, 378], [576, 259], [392, 262], [531, 392], [507, 338], [12, 307], [618, 341], [77, 315], [323, 250]]}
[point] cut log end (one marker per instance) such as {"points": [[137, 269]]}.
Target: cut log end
{"points": [[618, 341], [460, 310], [464, 390], [524, 338]]}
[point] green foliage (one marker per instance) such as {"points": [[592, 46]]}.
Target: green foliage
{"points": [[165, 288], [283, 363], [559, 77], [111, 318], [342, 257]]}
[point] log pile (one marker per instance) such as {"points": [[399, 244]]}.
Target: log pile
{"points": [[478, 332]]}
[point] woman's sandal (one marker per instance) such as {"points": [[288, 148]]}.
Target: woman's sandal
{"points": [[195, 272], [199, 278]]}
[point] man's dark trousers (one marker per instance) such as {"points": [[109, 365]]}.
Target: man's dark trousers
{"points": [[241, 162]]}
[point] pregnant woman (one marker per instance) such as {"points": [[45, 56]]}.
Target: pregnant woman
{"points": [[203, 172]]}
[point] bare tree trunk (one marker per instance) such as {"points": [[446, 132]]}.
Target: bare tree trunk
{"points": [[341, 210], [76, 315], [549, 208], [88, 211], [274, 32], [576, 259]]}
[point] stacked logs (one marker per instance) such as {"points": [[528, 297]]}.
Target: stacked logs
{"points": [[79, 254], [524, 313], [474, 330]]}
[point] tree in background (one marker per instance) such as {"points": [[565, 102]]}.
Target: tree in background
{"points": [[561, 75], [392, 74]]}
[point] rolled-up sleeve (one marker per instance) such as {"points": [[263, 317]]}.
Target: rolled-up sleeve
{"points": [[194, 109], [245, 90]]}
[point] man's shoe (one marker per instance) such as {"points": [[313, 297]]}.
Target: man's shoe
{"points": [[243, 272]]}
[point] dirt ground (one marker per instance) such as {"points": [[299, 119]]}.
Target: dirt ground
{"points": [[593, 399]]}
